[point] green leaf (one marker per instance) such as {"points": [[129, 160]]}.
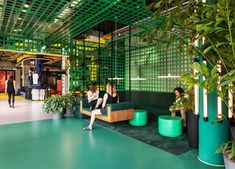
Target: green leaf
{"points": [[233, 149], [219, 44], [214, 73], [227, 81], [228, 37], [197, 67], [205, 70], [208, 49], [157, 4], [230, 23]]}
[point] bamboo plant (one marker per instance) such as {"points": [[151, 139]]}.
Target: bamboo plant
{"points": [[211, 23]]}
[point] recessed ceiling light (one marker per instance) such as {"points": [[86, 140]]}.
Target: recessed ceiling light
{"points": [[19, 18], [26, 6], [24, 10]]}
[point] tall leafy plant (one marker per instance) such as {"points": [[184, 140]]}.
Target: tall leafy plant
{"points": [[211, 23]]}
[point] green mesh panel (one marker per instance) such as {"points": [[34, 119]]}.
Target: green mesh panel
{"points": [[154, 67]]}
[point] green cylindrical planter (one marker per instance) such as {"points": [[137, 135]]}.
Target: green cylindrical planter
{"points": [[170, 126], [211, 133], [140, 118]]}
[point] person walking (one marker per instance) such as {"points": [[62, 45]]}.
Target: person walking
{"points": [[10, 90]]}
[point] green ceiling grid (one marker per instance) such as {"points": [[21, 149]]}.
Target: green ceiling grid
{"points": [[85, 15], [10, 42], [16, 18], [10, 15], [93, 15], [21, 44], [49, 18], [34, 14], [24, 18], [133, 9]]}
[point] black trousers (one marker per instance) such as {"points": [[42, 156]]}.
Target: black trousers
{"points": [[11, 98]]}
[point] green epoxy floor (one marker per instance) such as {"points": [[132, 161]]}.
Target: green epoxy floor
{"points": [[62, 144]]}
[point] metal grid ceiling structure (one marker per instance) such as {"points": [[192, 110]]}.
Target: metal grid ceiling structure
{"points": [[59, 20]]}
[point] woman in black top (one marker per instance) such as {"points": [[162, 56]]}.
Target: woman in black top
{"points": [[10, 90], [109, 97]]}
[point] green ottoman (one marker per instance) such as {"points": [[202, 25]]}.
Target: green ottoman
{"points": [[170, 126], [140, 118]]}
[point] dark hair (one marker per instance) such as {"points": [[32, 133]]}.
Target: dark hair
{"points": [[179, 89], [11, 77], [93, 87]]}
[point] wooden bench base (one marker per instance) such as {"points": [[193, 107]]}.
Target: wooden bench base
{"points": [[113, 116]]}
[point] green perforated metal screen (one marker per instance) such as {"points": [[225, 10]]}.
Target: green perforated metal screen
{"points": [[155, 67], [91, 62]]}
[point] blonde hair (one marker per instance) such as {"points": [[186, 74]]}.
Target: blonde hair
{"points": [[110, 88]]}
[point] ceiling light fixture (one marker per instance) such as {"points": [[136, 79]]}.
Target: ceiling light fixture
{"points": [[26, 6], [168, 76], [138, 78]]}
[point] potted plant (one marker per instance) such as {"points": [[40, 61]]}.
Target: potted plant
{"points": [[211, 23], [185, 101], [70, 104], [56, 104], [228, 149]]}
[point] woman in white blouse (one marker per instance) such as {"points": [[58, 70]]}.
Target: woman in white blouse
{"points": [[93, 97]]}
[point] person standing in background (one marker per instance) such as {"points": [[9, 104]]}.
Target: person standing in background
{"points": [[30, 77], [10, 90]]}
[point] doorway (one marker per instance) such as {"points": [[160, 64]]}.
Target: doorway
{"points": [[4, 75]]}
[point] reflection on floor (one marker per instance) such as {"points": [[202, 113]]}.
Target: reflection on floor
{"points": [[62, 144], [25, 110]]}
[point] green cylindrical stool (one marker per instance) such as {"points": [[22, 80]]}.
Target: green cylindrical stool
{"points": [[170, 126], [140, 118]]}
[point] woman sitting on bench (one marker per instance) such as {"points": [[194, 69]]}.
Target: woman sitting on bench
{"points": [[109, 97], [93, 97]]}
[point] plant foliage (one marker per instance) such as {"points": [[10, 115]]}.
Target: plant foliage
{"points": [[213, 25], [58, 103]]}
